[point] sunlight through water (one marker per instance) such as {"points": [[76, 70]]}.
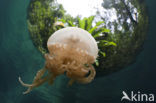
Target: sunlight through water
{"points": [[85, 8]]}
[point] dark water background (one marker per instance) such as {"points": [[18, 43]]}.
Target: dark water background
{"points": [[19, 57]]}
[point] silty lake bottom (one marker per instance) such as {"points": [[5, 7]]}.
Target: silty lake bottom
{"points": [[19, 57]]}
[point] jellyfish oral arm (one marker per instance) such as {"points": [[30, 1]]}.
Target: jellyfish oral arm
{"points": [[37, 81], [88, 79]]}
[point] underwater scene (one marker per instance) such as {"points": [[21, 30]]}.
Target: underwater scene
{"points": [[77, 51]]}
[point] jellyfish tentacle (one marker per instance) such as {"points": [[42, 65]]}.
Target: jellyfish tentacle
{"points": [[52, 73], [24, 84], [39, 74], [51, 79], [88, 79], [37, 81], [59, 72], [28, 90], [40, 82]]}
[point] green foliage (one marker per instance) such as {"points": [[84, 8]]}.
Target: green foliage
{"points": [[82, 23], [41, 19], [103, 53], [128, 36], [88, 23], [106, 43], [97, 63], [97, 32]]}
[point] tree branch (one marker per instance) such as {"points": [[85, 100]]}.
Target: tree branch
{"points": [[128, 12]]}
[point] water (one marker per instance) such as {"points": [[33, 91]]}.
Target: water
{"points": [[19, 57]]}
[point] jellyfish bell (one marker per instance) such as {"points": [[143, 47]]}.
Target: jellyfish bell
{"points": [[76, 38], [73, 47], [71, 51]]}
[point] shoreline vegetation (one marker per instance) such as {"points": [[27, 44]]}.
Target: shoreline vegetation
{"points": [[118, 47]]}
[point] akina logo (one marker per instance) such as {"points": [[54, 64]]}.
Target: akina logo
{"points": [[138, 97]]}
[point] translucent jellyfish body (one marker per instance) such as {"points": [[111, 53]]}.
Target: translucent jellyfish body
{"points": [[72, 51]]}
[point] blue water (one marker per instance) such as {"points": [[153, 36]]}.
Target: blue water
{"points": [[19, 57]]}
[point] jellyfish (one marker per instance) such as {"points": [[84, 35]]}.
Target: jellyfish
{"points": [[72, 52]]}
